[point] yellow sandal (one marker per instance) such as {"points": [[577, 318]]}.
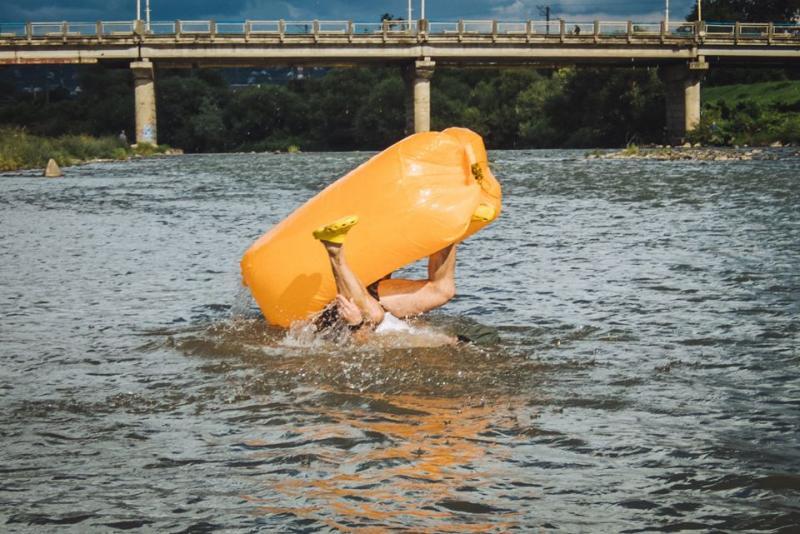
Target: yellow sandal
{"points": [[336, 231]]}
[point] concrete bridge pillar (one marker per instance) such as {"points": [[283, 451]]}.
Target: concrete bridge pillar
{"points": [[408, 78], [682, 91], [145, 101], [418, 95]]}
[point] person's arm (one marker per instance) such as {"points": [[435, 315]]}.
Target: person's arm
{"points": [[348, 311]]}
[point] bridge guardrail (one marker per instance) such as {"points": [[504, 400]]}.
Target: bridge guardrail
{"points": [[166, 29], [124, 28], [11, 30], [753, 30], [718, 29], [580, 31], [443, 28], [230, 28], [613, 29], [81, 29], [333, 27], [512, 28], [263, 27], [478, 27], [194, 27], [786, 31], [366, 28], [306, 27], [46, 29], [541, 27], [644, 29], [680, 29]]}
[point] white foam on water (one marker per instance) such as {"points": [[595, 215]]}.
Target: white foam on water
{"points": [[392, 333]]}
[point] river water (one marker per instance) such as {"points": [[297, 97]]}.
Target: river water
{"points": [[646, 377]]}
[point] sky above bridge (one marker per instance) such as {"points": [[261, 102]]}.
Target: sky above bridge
{"points": [[355, 10]]}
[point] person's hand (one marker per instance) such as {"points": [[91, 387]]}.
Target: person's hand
{"points": [[348, 310]]}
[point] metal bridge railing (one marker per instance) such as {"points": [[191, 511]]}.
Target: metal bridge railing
{"points": [[531, 30], [333, 27], [646, 28], [366, 28], [298, 28], [230, 28], [581, 29], [512, 28], [720, 29], [124, 28], [443, 28], [194, 27], [48, 29], [12, 30], [478, 27], [162, 28], [612, 28], [541, 27], [263, 27]]}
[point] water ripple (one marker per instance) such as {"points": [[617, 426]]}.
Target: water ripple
{"points": [[637, 371]]}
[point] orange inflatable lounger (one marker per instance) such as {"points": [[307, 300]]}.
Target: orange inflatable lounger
{"points": [[412, 199]]}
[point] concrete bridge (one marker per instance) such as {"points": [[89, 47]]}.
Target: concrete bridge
{"points": [[683, 51]]}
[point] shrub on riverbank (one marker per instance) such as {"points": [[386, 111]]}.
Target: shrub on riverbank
{"points": [[21, 150], [754, 114]]}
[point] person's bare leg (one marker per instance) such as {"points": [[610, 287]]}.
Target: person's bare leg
{"points": [[349, 286], [404, 298]]}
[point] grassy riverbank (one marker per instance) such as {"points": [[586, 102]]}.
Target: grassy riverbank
{"points": [[750, 114], [21, 150], [780, 94]]}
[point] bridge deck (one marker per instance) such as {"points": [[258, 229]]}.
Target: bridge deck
{"points": [[344, 42]]}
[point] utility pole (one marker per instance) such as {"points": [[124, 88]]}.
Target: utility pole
{"points": [[666, 16], [408, 20], [422, 9], [545, 10], [699, 10], [138, 9], [147, 14]]}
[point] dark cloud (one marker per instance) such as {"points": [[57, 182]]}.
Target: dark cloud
{"points": [[357, 10]]}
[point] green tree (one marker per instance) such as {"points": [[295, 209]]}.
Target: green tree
{"points": [[450, 94], [188, 106], [106, 102], [264, 117], [536, 103], [380, 120], [496, 98], [208, 133], [334, 102], [104, 106], [605, 108]]}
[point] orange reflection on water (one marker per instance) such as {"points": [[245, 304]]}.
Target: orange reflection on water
{"points": [[427, 472]]}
